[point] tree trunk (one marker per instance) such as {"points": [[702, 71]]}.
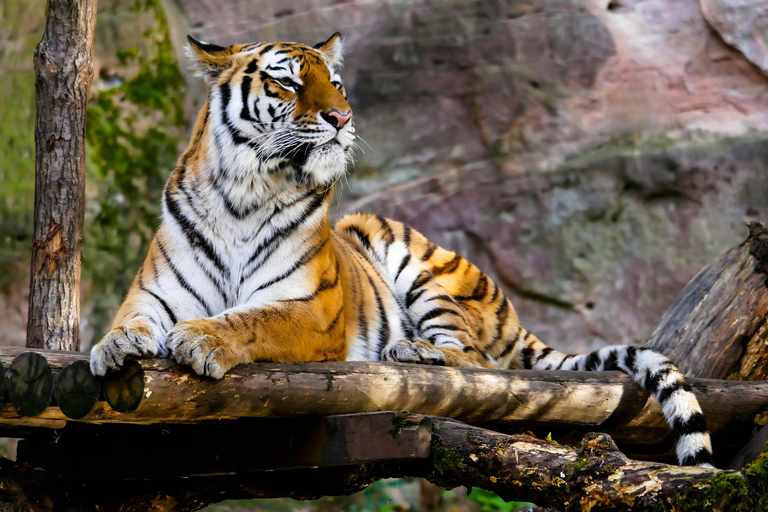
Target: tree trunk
{"points": [[64, 70], [717, 328]]}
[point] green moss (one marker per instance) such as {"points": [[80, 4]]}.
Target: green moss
{"points": [[734, 492], [443, 458]]}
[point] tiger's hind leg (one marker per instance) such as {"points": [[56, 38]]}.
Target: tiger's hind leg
{"points": [[441, 332]]}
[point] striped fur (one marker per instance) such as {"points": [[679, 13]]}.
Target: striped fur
{"points": [[245, 266]]}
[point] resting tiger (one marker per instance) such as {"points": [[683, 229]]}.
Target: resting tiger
{"points": [[245, 266]]}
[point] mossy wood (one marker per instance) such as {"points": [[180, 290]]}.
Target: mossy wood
{"points": [[567, 403], [344, 454]]}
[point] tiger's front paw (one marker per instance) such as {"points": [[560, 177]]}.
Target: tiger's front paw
{"points": [[125, 341], [419, 352], [196, 344]]}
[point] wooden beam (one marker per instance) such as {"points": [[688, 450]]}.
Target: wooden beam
{"points": [[227, 447], [581, 400]]}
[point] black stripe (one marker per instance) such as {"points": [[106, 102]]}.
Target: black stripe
{"points": [[611, 362], [444, 327], [335, 319], [303, 260], [407, 236], [511, 345], [383, 322], [479, 292], [389, 236], [703, 456], [167, 309], [652, 380], [495, 292], [434, 314], [266, 48], [566, 358], [544, 353], [431, 247], [195, 238], [270, 244], [501, 317], [444, 297], [363, 237], [593, 362], [527, 354], [410, 299], [237, 136], [252, 66], [694, 424], [449, 267], [665, 393], [183, 282], [629, 360], [403, 264], [245, 92]]}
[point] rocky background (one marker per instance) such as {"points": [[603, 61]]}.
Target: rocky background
{"points": [[591, 155]]}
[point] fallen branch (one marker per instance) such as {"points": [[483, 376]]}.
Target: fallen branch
{"points": [[360, 449]]}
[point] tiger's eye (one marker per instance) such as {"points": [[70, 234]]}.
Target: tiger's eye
{"points": [[287, 82]]}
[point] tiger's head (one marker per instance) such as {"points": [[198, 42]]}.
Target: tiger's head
{"points": [[278, 108]]}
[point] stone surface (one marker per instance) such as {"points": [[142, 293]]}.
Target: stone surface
{"points": [[743, 24]]}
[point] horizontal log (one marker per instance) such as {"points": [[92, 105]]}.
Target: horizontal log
{"points": [[596, 477], [606, 401]]}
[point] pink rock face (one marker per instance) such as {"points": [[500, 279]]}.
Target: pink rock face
{"points": [[592, 155], [742, 24]]}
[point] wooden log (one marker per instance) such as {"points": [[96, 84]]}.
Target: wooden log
{"points": [[572, 400], [30, 384], [124, 389], [77, 390], [596, 477], [718, 326]]}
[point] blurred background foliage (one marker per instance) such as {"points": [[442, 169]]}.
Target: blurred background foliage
{"points": [[134, 128]]}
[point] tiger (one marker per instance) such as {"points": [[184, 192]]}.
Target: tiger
{"points": [[246, 267]]}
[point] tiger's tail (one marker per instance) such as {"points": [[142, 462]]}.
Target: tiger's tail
{"points": [[650, 370]]}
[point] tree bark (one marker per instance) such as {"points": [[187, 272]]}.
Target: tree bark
{"points": [[64, 70], [595, 477], [718, 326]]}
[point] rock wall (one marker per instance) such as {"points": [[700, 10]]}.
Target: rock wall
{"points": [[592, 155]]}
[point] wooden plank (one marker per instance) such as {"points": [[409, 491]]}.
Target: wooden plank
{"points": [[118, 452]]}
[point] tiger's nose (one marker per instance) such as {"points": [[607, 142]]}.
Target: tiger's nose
{"points": [[336, 118]]}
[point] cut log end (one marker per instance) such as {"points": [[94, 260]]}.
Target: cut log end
{"points": [[77, 390], [124, 389], [30, 384]]}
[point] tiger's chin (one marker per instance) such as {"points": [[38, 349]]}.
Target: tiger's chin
{"points": [[326, 163]]}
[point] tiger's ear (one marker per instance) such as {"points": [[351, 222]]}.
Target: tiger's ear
{"points": [[209, 60], [332, 49]]}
